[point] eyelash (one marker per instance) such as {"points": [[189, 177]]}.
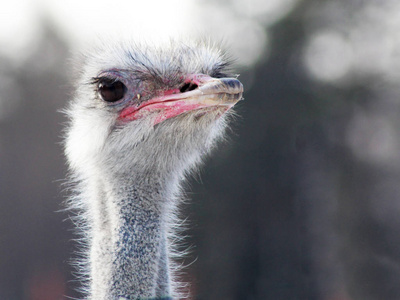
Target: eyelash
{"points": [[96, 80]]}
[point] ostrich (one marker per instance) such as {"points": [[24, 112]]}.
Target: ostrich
{"points": [[142, 118]]}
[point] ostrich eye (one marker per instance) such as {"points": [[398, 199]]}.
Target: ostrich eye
{"points": [[111, 91]]}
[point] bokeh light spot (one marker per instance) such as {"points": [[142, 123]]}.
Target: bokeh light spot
{"points": [[328, 56]]}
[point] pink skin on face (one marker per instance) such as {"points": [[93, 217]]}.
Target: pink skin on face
{"points": [[172, 103], [165, 109]]}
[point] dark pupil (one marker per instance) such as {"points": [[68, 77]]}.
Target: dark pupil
{"points": [[112, 91]]}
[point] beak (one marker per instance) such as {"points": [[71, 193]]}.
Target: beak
{"points": [[202, 91], [217, 92]]}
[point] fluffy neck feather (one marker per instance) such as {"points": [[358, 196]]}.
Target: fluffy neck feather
{"points": [[129, 243]]}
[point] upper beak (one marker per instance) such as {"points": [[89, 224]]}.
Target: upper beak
{"points": [[218, 91]]}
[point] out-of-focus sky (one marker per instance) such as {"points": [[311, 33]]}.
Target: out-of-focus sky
{"points": [[240, 24]]}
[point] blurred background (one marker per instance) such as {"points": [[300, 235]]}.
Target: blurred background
{"points": [[302, 202]]}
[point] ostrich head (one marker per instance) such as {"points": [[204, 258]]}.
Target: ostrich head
{"points": [[142, 117], [169, 103]]}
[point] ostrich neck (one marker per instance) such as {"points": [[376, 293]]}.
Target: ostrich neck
{"points": [[129, 249]]}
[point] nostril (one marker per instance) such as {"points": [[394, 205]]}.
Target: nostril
{"points": [[187, 87]]}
